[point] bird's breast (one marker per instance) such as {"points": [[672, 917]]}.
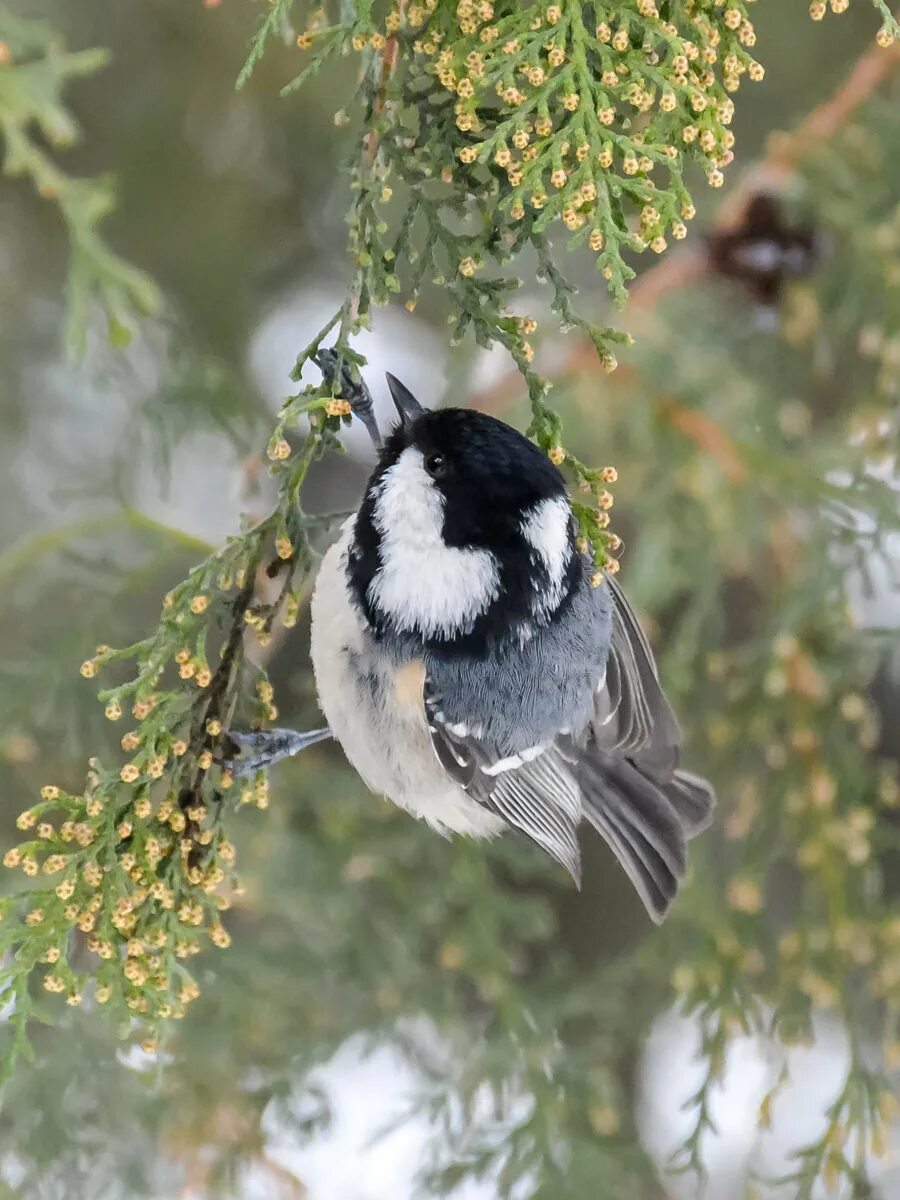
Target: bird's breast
{"points": [[373, 703]]}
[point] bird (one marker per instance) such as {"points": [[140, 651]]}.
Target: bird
{"points": [[473, 671]]}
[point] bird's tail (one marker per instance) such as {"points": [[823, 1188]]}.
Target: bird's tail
{"points": [[647, 821]]}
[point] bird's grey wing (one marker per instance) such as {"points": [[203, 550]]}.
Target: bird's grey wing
{"points": [[534, 791], [633, 718], [614, 762], [633, 792], [631, 712]]}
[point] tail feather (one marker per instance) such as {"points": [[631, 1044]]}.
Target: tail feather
{"points": [[638, 804], [632, 790], [647, 822], [694, 801], [652, 879]]}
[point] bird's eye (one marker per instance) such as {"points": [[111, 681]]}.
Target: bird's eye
{"points": [[436, 465]]}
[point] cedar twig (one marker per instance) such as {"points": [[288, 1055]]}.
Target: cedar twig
{"points": [[785, 152], [388, 63]]}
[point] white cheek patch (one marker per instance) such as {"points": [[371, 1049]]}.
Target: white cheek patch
{"points": [[423, 584], [546, 529]]}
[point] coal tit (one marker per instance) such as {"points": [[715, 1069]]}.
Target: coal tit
{"points": [[473, 674], [470, 669]]}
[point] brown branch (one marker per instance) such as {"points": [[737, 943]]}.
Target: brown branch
{"points": [[388, 64], [289, 1185], [680, 269], [708, 435], [227, 1126], [869, 72]]}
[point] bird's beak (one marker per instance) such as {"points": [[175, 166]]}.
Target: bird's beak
{"points": [[407, 405]]}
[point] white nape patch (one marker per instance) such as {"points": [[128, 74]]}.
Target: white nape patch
{"points": [[424, 585], [546, 529], [459, 730], [514, 761]]}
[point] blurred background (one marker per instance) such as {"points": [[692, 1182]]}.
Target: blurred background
{"points": [[399, 1015]]}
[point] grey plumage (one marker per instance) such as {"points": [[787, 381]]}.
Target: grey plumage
{"points": [[523, 696], [475, 676], [610, 753]]}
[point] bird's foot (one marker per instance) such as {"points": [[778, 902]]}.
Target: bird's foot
{"points": [[267, 746], [353, 390]]}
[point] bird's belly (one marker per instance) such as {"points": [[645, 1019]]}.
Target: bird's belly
{"points": [[375, 711]]}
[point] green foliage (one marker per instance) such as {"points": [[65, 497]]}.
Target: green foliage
{"points": [[600, 109], [276, 21], [775, 484], [485, 125], [141, 855], [748, 467], [34, 71]]}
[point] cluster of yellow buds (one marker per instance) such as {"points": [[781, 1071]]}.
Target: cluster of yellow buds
{"points": [[137, 862], [678, 74], [279, 449], [88, 896], [338, 407], [256, 793]]}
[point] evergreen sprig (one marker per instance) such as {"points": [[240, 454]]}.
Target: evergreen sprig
{"points": [[34, 72], [488, 126], [140, 861], [140, 864]]}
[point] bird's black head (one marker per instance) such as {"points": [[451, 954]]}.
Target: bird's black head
{"points": [[465, 529]]}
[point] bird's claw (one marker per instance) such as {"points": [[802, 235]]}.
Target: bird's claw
{"points": [[267, 746], [354, 391]]}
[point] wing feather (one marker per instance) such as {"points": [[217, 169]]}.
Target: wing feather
{"points": [[543, 801], [534, 792], [631, 712], [620, 771]]}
